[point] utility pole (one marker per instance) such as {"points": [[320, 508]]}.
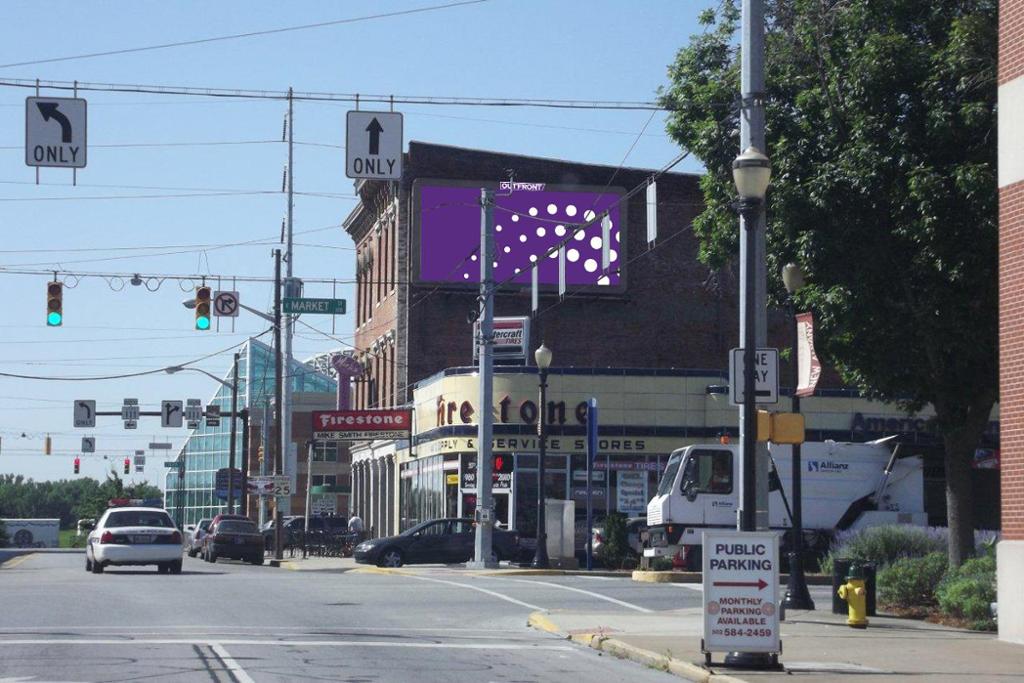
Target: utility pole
{"points": [[278, 391], [290, 466], [232, 439], [484, 503], [268, 454]]}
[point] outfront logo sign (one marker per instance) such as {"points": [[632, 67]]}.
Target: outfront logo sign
{"points": [[359, 425]]}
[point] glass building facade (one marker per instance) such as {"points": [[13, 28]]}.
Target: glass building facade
{"points": [[190, 496]]}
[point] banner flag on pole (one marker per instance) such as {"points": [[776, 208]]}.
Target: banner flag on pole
{"points": [[808, 366], [534, 290], [652, 212], [606, 233]]}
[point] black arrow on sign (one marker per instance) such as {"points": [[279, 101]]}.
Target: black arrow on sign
{"points": [[49, 111], [88, 410], [375, 129]]}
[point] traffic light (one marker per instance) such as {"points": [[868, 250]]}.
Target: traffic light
{"points": [[54, 304], [202, 308], [46, 445], [78, 464], [127, 466]]}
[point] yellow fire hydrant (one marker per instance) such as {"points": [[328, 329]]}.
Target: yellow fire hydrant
{"points": [[856, 596]]}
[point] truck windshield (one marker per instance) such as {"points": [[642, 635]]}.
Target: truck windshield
{"points": [[670, 474]]}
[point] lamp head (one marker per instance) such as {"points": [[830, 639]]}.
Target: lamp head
{"points": [[189, 302], [173, 369], [792, 277], [543, 356], [751, 171]]}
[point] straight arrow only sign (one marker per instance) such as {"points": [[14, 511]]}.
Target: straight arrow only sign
{"points": [[373, 145]]}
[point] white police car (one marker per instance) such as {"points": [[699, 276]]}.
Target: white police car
{"points": [[134, 536]]}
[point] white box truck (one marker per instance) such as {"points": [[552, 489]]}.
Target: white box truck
{"points": [[844, 486]]}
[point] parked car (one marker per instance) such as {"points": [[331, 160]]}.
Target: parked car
{"points": [[238, 539], [134, 536], [195, 540], [446, 541]]}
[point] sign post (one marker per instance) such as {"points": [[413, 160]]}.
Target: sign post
{"points": [[591, 454], [741, 586]]}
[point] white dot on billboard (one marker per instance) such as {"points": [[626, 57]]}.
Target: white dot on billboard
{"points": [[580, 235], [541, 232], [595, 242], [465, 276], [552, 209], [497, 228], [616, 235], [603, 280], [588, 215], [473, 257], [518, 270], [573, 255], [495, 264], [508, 250], [553, 254], [570, 210], [613, 255], [590, 265], [522, 238], [533, 258], [515, 218], [533, 210], [560, 230]]}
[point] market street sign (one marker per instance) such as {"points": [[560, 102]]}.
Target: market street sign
{"points": [[373, 147], [741, 591], [55, 132], [306, 305], [360, 425]]}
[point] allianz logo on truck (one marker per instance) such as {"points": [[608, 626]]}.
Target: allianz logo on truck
{"points": [[827, 466]]}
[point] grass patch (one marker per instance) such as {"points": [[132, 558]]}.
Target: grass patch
{"points": [[67, 538]]}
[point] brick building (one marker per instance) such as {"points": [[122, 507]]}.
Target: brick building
{"points": [[1011, 317], [667, 311]]}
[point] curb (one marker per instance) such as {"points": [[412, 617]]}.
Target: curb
{"points": [[554, 572], [617, 648], [670, 576], [15, 559], [386, 571]]}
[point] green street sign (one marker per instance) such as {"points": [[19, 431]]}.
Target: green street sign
{"points": [[173, 464], [303, 305]]}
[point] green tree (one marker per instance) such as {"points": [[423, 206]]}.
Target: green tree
{"points": [[881, 128]]}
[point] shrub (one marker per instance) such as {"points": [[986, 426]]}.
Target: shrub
{"points": [[884, 545], [911, 582], [661, 564], [967, 592], [615, 548], [3, 535]]}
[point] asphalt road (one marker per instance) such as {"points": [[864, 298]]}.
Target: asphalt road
{"points": [[235, 622]]}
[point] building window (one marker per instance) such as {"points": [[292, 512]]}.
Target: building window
{"points": [[325, 452], [325, 480]]}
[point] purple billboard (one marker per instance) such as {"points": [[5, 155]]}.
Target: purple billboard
{"points": [[530, 219]]}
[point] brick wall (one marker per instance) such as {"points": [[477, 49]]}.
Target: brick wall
{"points": [[1011, 40]]}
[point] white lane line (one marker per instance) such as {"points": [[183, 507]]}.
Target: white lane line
{"points": [[134, 630], [50, 642], [592, 594], [234, 667], [495, 594]]}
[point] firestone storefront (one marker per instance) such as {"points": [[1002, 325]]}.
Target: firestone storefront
{"points": [[644, 416]]}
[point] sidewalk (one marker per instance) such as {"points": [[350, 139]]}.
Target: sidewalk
{"points": [[817, 646], [344, 564]]}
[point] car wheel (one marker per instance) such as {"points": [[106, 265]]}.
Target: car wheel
{"points": [[97, 567], [211, 557], [392, 557], [161, 568], [88, 564], [175, 567]]}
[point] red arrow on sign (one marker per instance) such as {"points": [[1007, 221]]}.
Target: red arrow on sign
{"points": [[760, 584]]}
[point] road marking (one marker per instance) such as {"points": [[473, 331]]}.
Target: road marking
{"points": [[287, 643], [14, 562], [592, 594], [234, 667], [134, 630], [495, 594]]}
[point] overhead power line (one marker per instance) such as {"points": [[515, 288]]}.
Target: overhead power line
{"points": [[250, 34]]}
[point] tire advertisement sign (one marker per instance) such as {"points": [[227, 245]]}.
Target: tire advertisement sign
{"points": [[361, 425], [631, 490], [741, 587]]}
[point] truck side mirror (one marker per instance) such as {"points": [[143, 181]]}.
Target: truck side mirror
{"points": [[690, 490]]}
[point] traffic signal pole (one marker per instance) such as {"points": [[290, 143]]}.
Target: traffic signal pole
{"points": [[234, 422], [279, 442], [289, 256]]}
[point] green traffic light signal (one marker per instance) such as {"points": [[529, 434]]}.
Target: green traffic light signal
{"points": [[54, 319], [202, 308], [202, 322], [54, 304]]}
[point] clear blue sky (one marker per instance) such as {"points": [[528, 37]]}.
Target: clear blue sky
{"points": [[582, 49]]}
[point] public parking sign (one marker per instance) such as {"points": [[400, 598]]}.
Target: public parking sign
{"points": [[741, 591], [55, 132]]}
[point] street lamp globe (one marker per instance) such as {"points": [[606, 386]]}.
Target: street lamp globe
{"points": [[543, 357], [751, 171], [792, 277]]}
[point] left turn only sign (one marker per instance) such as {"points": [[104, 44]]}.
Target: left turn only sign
{"points": [[55, 129]]}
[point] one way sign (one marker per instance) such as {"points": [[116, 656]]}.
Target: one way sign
{"points": [[766, 371], [55, 131], [373, 145]]}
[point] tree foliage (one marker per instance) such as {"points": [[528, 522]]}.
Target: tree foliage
{"points": [[68, 500], [881, 129]]}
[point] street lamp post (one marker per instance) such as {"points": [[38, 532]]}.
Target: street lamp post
{"points": [[543, 358], [751, 171], [797, 594]]}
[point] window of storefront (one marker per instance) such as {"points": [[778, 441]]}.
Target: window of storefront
{"points": [[325, 452]]}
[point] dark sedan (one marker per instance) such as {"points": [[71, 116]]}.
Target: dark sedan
{"points": [[238, 539], [443, 541]]}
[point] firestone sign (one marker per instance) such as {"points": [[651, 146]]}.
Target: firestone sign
{"points": [[357, 425], [741, 582]]}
